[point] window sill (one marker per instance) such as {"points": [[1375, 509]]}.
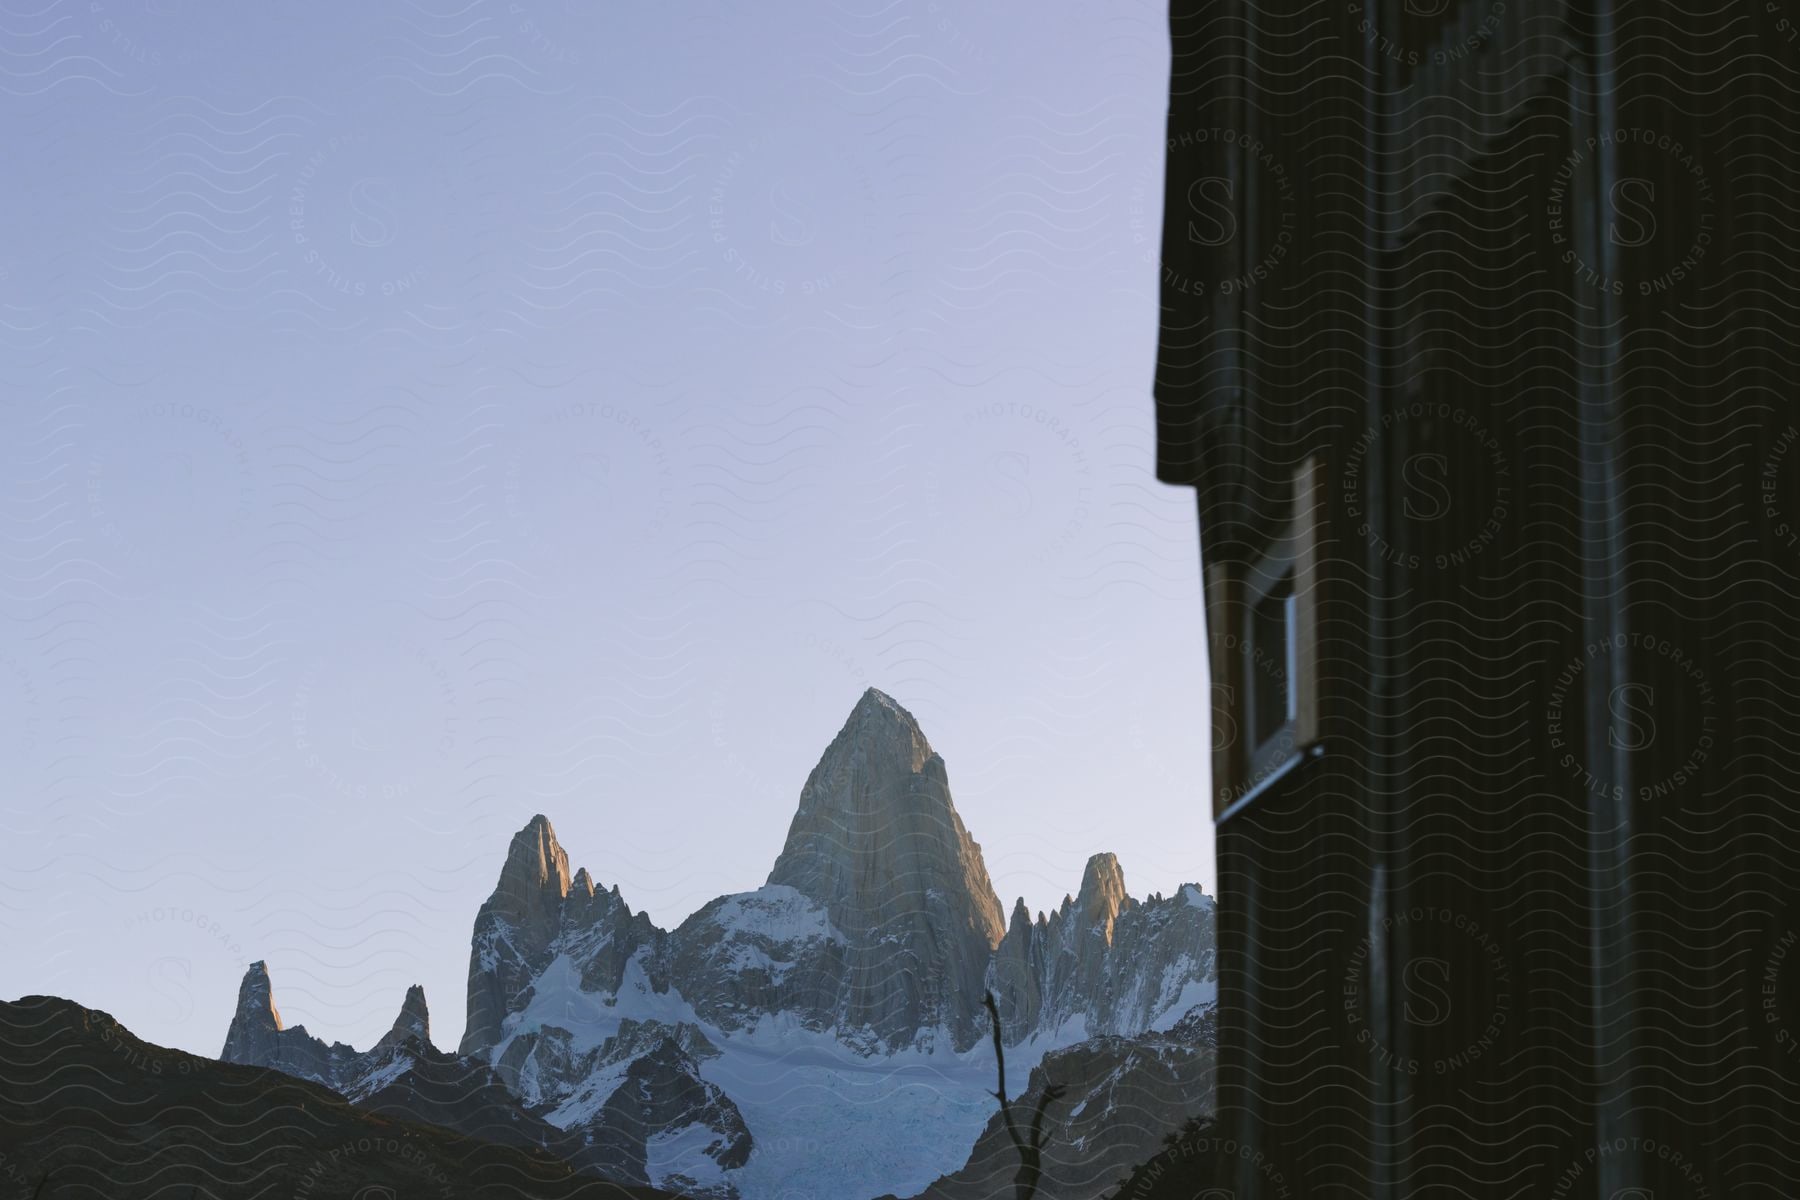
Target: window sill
{"points": [[1267, 781]]}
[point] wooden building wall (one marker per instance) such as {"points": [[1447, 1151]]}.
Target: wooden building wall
{"points": [[1514, 279]]}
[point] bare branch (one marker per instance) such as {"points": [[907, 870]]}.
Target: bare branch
{"points": [[1031, 1158], [1000, 1062], [1052, 1091]]}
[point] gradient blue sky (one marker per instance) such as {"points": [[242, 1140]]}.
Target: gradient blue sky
{"points": [[426, 413]]}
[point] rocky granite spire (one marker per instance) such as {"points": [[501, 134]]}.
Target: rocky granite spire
{"points": [[1018, 972], [251, 1038], [536, 911], [1102, 894], [1116, 964], [414, 1021], [514, 930], [876, 822], [258, 1038], [878, 844], [536, 874]]}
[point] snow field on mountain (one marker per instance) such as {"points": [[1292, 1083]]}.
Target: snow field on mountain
{"points": [[826, 1120]]}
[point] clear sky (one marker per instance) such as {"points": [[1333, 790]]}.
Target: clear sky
{"points": [[419, 414]]}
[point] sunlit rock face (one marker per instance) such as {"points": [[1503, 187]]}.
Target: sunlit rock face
{"points": [[536, 913], [1106, 963], [256, 1028], [878, 845]]}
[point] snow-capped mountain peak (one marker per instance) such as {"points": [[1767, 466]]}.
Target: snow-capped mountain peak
{"points": [[839, 1005], [876, 842]]}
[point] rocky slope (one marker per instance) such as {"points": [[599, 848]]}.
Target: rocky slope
{"points": [[824, 1031], [1125, 1096], [1194, 1160], [662, 1101]]}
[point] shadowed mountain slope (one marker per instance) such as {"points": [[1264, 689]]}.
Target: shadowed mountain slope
{"points": [[107, 1116]]}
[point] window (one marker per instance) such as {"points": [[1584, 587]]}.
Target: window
{"points": [[1263, 620], [1274, 672]]}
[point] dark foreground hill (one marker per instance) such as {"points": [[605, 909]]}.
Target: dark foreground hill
{"points": [[102, 1114], [1199, 1161]]}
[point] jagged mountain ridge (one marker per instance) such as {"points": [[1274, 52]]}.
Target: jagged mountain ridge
{"points": [[1115, 964], [874, 938], [878, 921], [875, 848], [717, 1056], [258, 1037], [403, 1075]]}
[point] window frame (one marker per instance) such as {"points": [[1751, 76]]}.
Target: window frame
{"points": [[1246, 759]]}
